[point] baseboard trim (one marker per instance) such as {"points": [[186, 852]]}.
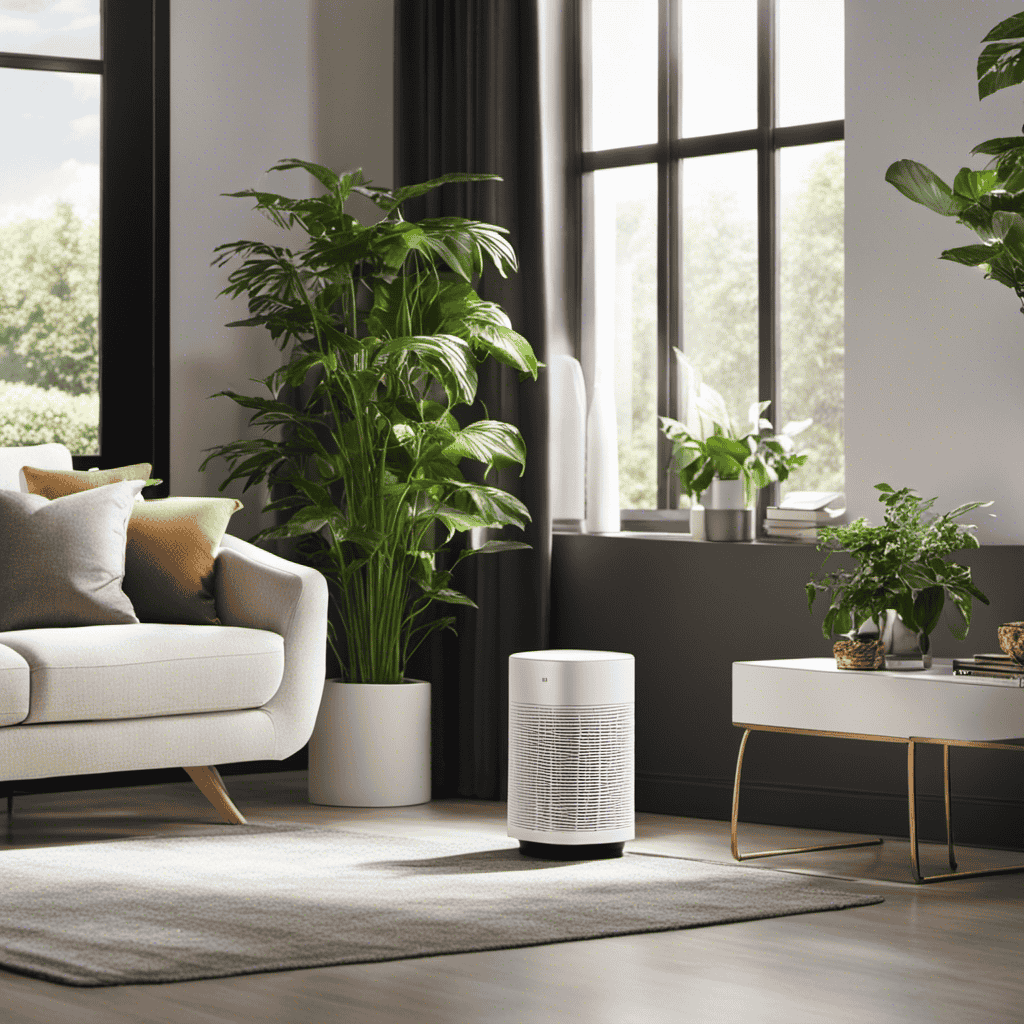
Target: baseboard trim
{"points": [[977, 820]]}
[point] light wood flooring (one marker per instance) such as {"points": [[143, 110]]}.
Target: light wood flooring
{"points": [[945, 952]]}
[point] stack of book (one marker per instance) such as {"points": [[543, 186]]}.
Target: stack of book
{"points": [[801, 514], [994, 666]]}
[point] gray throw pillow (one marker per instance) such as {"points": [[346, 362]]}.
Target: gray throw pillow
{"points": [[62, 561]]}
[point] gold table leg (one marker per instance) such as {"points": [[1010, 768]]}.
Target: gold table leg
{"points": [[949, 808], [915, 863], [775, 853], [915, 860]]}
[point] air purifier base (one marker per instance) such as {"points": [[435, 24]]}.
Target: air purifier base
{"points": [[569, 851]]}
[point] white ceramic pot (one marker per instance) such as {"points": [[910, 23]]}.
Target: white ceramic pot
{"points": [[726, 515], [723, 494], [903, 647], [371, 745]]}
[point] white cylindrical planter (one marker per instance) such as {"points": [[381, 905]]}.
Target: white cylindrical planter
{"points": [[371, 745]]}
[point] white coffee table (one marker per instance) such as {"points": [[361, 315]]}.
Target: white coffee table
{"points": [[810, 696]]}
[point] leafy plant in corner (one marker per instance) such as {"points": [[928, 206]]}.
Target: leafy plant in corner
{"points": [[714, 447], [384, 333], [900, 565], [991, 201]]}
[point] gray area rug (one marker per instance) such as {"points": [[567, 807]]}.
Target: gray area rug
{"points": [[242, 900]]}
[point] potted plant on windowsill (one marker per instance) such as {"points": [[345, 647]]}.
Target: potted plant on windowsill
{"points": [[893, 596], [711, 455], [362, 449]]}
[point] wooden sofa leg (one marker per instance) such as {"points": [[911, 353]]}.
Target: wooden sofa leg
{"points": [[211, 785]]}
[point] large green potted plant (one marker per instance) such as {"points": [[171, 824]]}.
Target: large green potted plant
{"points": [[900, 580], [711, 454], [990, 201], [362, 448]]}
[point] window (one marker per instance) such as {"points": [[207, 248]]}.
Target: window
{"points": [[83, 228], [712, 184]]}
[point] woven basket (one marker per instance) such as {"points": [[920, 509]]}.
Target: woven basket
{"points": [[1011, 640], [858, 655]]}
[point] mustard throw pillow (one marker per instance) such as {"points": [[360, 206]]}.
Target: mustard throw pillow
{"points": [[170, 562], [56, 483]]}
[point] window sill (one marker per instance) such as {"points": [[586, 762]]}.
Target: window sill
{"points": [[662, 535]]}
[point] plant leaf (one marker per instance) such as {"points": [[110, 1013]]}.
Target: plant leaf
{"points": [[1001, 64], [507, 346], [923, 186], [795, 427], [493, 547], [1010, 228], [489, 441], [1006, 145], [971, 255], [446, 357], [1011, 28], [324, 175], [402, 195], [974, 184]]}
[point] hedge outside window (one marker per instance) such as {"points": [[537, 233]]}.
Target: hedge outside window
{"points": [[83, 228]]}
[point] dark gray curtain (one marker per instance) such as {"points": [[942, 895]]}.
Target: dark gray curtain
{"points": [[469, 90]]}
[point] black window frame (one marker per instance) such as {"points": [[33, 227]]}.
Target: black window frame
{"points": [[767, 139], [134, 230]]}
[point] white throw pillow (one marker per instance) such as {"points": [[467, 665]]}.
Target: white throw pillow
{"points": [[62, 561]]}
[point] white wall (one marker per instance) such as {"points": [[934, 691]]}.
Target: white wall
{"points": [[252, 83], [354, 46], [934, 353]]}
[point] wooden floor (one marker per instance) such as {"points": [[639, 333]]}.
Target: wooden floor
{"points": [[946, 952]]}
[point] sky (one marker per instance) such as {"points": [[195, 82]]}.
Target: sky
{"points": [[49, 120]]}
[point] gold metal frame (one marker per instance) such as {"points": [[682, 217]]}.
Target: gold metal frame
{"points": [[912, 744]]}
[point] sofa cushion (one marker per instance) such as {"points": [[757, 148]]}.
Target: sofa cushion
{"points": [[62, 562], [14, 683], [46, 456], [146, 669], [171, 558], [172, 544]]}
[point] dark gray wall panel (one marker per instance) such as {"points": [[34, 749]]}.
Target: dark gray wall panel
{"points": [[686, 610]]}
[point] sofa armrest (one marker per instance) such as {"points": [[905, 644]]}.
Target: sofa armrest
{"points": [[260, 590]]}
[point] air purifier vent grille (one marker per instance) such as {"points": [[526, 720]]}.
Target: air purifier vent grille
{"points": [[570, 768]]}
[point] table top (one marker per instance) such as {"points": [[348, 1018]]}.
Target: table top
{"points": [[941, 671], [811, 694]]}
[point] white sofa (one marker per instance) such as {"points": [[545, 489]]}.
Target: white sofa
{"points": [[82, 699]]}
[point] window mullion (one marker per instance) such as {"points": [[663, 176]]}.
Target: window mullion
{"points": [[668, 237], [767, 227]]}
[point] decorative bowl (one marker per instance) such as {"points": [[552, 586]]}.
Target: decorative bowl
{"points": [[859, 655], [1011, 640]]}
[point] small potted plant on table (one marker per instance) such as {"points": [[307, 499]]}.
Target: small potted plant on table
{"points": [[712, 455], [887, 606]]}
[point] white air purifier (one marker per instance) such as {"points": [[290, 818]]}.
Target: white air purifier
{"points": [[570, 753]]}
